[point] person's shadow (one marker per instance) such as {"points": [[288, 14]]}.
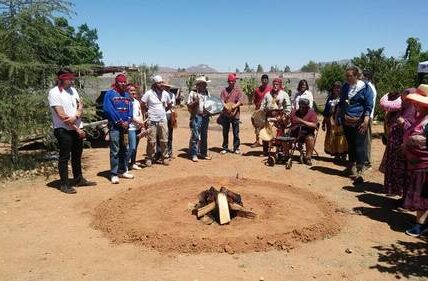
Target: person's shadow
{"points": [[384, 209]]}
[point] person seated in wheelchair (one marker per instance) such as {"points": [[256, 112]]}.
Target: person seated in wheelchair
{"points": [[304, 122]]}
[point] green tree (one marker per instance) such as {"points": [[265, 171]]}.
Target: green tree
{"points": [[274, 69], [248, 86], [247, 68], [287, 69], [259, 68], [190, 82], [311, 67], [32, 41], [330, 73]]}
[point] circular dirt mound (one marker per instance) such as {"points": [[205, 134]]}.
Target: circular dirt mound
{"points": [[159, 216]]}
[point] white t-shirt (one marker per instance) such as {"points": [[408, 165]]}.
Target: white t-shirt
{"points": [[297, 96], [156, 104], [202, 97], [354, 89], [374, 98], [69, 100], [282, 101], [136, 115]]}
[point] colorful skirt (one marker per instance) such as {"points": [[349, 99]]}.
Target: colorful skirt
{"points": [[394, 164], [413, 199], [335, 142]]}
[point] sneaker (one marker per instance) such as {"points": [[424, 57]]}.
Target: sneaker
{"points": [[114, 179], [84, 182], [148, 163], [126, 175], [206, 157], [135, 167], [237, 151], [308, 162], [165, 161], [359, 177], [67, 189], [418, 230], [195, 158], [224, 151]]}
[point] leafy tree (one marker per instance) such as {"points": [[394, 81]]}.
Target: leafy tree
{"points": [[311, 67], [274, 69], [248, 86], [190, 82], [287, 69], [259, 69], [30, 52], [330, 73], [237, 70], [247, 68]]}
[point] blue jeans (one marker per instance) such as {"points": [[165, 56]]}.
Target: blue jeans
{"points": [[199, 138], [118, 151], [225, 122], [133, 142]]}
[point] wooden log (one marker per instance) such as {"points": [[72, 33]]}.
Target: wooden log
{"points": [[236, 207], [205, 210], [223, 208]]}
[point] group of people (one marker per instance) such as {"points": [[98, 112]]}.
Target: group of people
{"points": [[348, 115]]}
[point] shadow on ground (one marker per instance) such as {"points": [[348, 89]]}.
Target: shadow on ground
{"points": [[385, 209], [365, 187], [404, 259]]}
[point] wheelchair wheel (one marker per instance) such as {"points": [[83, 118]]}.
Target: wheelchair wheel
{"points": [[271, 161], [289, 163]]}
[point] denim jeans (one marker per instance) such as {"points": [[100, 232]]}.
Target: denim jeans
{"points": [[356, 145], [199, 137], [69, 143], [225, 122], [133, 142], [118, 151]]}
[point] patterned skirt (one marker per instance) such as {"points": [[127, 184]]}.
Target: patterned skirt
{"points": [[394, 164], [335, 142], [413, 200]]}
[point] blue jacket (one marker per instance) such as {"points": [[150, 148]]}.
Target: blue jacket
{"points": [[359, 105], [117, 108]]}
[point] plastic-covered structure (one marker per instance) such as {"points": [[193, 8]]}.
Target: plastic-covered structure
{"points": [[422, 71]]}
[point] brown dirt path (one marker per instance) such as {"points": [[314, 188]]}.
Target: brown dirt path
{"points": [[47, 235]]}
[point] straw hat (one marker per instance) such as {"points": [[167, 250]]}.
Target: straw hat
{"points": [[202, 79], [420, 97]]}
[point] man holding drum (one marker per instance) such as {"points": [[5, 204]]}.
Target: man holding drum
{"points": [[258, 96], [199, 120]]}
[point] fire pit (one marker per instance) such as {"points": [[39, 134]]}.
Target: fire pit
{"points": [[220, 206], [159, 216]]}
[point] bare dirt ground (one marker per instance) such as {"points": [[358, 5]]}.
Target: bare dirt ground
{"points": [[320, 226]]}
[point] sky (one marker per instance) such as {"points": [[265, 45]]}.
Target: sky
{"points": [[225, 34]]}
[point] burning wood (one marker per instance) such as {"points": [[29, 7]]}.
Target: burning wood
{"points": [[220, 205]]}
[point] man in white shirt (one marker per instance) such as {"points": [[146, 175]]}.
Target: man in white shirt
{"points": [[157, 101], [368, 76], [67, 108]]}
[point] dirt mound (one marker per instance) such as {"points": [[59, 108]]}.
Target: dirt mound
{"points": [[159, 216]]}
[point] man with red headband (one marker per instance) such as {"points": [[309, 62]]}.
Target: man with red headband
{"points": [[232, 98], [258, 95], [118, 109], [66, 108]]}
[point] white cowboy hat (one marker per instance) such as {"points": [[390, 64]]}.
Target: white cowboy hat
{"points": [[157, 79], [202, 78]]}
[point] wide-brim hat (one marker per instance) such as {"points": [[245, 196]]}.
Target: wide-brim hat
{"points": [[420, 97], [266, 134], [202, 79]]}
